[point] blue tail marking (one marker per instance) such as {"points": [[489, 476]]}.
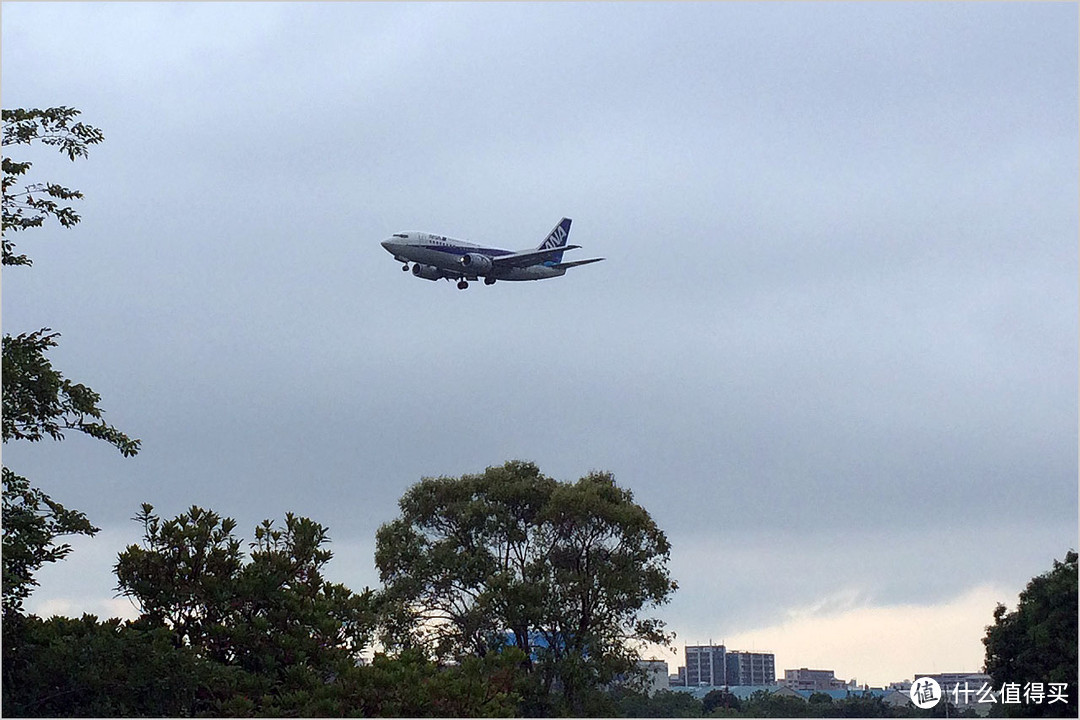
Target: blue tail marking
{"points": [[556, 238]]}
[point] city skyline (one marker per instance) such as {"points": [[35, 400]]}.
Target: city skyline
{"points": [[721, 679], [845, 639]]}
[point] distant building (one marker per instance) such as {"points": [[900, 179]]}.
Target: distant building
{"points": [[706, 666], [948, 680], [716, 666], [750, 668], [806, 679]]}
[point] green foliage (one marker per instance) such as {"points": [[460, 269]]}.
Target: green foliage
{"points": [[764, 704], [39, 401], [286, 615], [21, 210], [663, 703], [32, 523], [865, 706], [184, 577], [274, 617], [1038, 641], [84, 668], [561, 571], [721, 703], [720, 699], [411, 685]]}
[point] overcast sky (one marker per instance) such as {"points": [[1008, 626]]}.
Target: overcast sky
{"points": [[832, 350]]}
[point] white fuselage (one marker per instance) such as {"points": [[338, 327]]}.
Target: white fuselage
{"points": [[443, 255]]}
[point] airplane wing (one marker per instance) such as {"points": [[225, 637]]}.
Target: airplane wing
{"points": [[528, 257], [565, 265]]}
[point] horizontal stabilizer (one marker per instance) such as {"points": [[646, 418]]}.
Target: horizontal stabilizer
{"points": [[565, 265]]}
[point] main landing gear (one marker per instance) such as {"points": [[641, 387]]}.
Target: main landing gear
{"points": [[405, 267], [464, 284]]}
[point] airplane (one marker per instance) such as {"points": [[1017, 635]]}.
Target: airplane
{"points": [[436, 257]]}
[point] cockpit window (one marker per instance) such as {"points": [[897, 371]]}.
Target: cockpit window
{"points": [[401, 235]]}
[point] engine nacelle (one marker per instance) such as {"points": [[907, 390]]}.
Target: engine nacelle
{"points": [[474, 263], [428, 272]]}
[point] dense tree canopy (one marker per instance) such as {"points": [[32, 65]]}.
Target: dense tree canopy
{"points": [[64, 667], [562, 571], [274, 615], [91, 668], [1037, 643]]}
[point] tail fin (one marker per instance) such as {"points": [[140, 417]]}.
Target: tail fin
{"points": [[556, 238]]}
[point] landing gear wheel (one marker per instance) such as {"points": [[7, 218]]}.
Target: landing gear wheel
{"points": [[462, 285], [405, 267], [489, 281]]}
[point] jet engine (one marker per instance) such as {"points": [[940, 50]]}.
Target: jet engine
{"points": [[474, 263], [428, 272]]}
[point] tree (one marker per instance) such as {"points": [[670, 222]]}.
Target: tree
{"points": [[287, 614], [32, 522], [662, 704], [767, 704], [411, 685], [53, 126], [719, 699], [510, 557], [38, 401], [274, 617], [88, 668], [184, 575], [228, 634], [1037, 643], [864, 705]]}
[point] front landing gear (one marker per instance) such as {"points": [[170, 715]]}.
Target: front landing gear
{"points": [[462, 285]]}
